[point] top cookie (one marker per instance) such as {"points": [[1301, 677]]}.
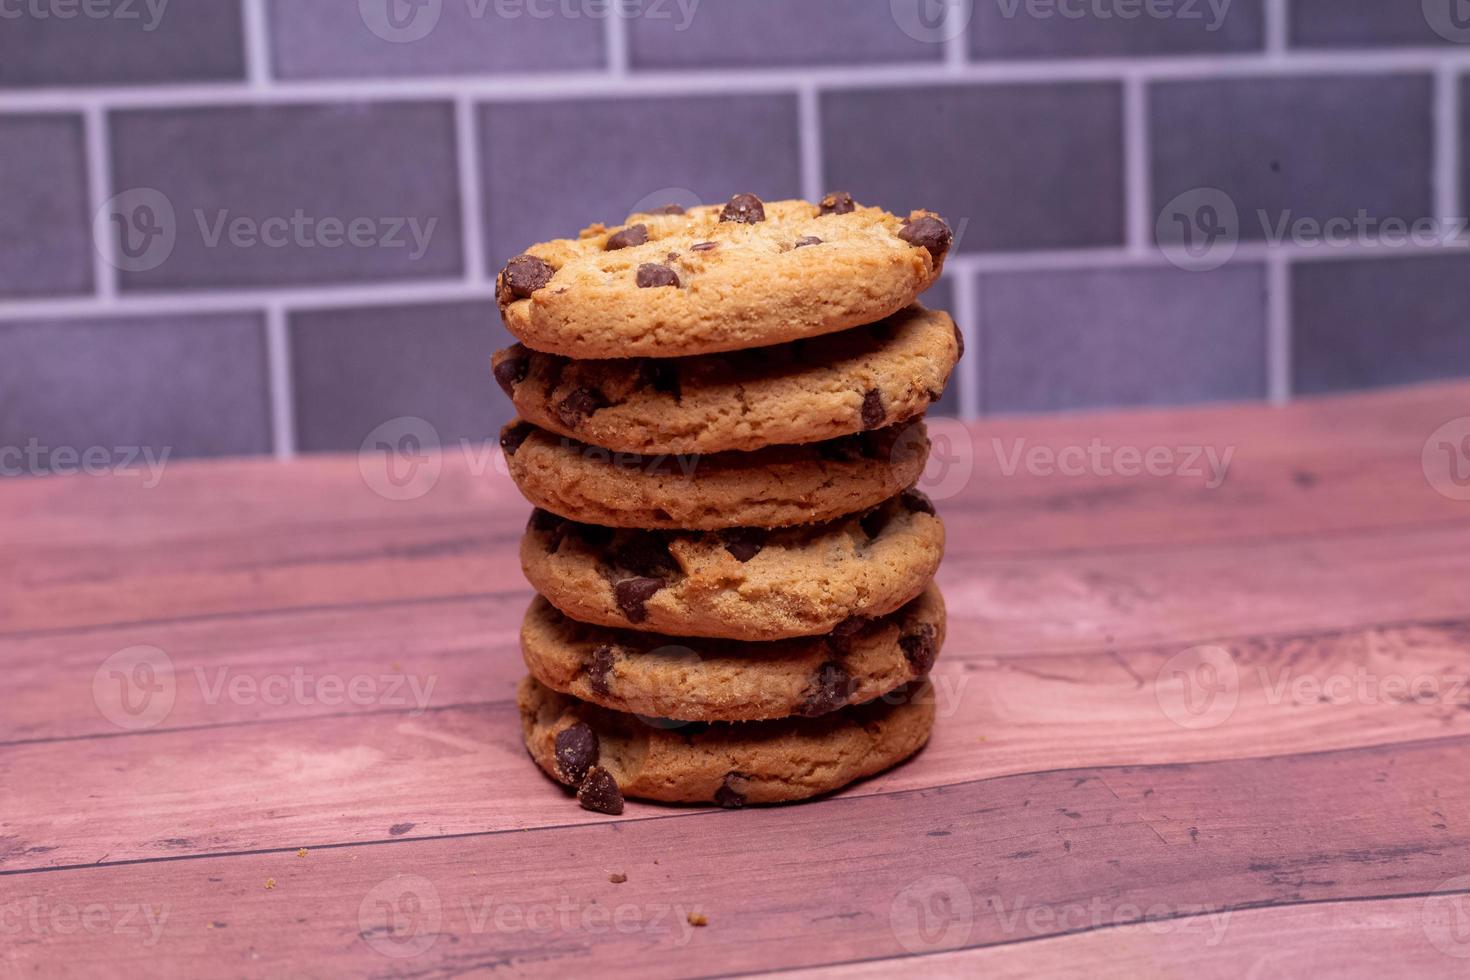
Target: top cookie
{"points": [[720, 278]]}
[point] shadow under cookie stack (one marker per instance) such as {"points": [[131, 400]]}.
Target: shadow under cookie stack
{"points": [[720, 426]]}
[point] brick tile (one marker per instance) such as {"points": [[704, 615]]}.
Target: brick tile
{"points": [[1089, 338], [384, 172], [1309, 147], [1046, 29], [121, 43], [764, 33], [194, 385], [551, 168], [346, 39], [45, 223], [355, 369], [941, 297], [1362, 323], [1373, 23], [1011, 167]]}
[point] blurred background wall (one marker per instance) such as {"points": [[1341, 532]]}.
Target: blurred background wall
{"points": [[268, 226]]}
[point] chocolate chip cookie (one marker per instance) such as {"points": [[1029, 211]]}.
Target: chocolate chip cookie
{"points": [[720, 278], [608, 755], [740, 583], [728, 680], [798, 392], [773, 487]]}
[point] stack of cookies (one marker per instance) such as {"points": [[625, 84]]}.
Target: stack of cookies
{"points": [[721, 424]]}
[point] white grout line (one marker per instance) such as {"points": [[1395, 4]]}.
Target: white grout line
{"points": [[1137, 196], [1447, 203], [99, 190], [599, 84], [472, 217], [1278, 328], [1278, 28], [809, 126], [282, 395], [257, 43], [967, 314], [615, 41], [957, 14]]}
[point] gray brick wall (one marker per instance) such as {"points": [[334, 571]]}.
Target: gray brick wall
{"points": [[249, 226]]}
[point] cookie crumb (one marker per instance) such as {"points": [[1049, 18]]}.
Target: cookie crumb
{"points": [[301, 853], [270, 883], [617, 877], [698, 919]]}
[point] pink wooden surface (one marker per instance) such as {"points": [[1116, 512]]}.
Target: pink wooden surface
{"points": [[1185, 731]]}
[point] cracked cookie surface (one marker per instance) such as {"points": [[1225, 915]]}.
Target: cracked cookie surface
{"points": [[798, 392], [721, 763], [701, 679], [719, 278], [741, 583], [777, 486]]}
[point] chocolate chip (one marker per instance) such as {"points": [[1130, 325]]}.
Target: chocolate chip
{"points": [[512, 369], [599, 792], [731, 794], [628, 237], [659, 375], [601, 666], [576, 751], [653, 276], [806, 240], [646, 553], [918, 648], [513, 435], [873, 413], [522, 276], [873, 522], [704, 246], [838, 202], [744, 543], [933, 395], [579, 405], [632, 595], [669, 209], [928, 232], [959, 339], [916, 501], [745, 209], [830, 689]]}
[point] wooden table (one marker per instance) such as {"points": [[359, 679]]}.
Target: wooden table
{"points": [[259, 721]]}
